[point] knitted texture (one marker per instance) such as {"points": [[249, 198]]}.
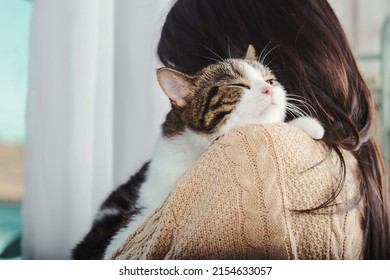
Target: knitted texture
{"points": [[239, 202]]}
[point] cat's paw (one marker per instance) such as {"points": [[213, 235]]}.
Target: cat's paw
{"points": [[310, 126]]}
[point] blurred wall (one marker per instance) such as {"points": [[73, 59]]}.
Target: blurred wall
{"points": [[362, 21]]}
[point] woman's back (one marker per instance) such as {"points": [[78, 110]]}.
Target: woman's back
{"points": [[303, 43]]}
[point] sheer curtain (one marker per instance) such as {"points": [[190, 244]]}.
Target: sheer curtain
{"points": [[94, 111]]}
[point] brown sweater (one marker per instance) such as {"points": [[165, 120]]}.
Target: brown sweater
{"points": [[237, 202]]}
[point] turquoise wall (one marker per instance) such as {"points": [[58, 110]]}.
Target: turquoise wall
{"points": [[15, 16]]}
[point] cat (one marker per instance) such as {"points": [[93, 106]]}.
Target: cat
{"points": [[219, 98]]}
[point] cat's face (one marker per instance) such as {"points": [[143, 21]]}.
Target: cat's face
{"points": [[233, 94], [225, 95]]}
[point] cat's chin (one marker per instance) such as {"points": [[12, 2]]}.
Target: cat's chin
{"points": [[271, 114]]}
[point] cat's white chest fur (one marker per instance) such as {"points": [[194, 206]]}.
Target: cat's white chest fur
{"points": [[171, 159]]}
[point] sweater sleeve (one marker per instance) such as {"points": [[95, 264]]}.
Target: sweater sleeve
{"points": [[238, 202]]}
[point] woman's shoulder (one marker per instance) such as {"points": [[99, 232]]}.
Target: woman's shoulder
{"points": [[290, 146], [298, 161], [287, 144], [277, 134]]}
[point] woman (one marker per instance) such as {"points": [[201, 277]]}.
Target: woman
{"points": [[304, 44]]}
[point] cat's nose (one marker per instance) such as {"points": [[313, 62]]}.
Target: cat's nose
{"points": [[267, 90]]}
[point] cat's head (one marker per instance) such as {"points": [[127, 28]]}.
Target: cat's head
{"points": [[225, 95]]}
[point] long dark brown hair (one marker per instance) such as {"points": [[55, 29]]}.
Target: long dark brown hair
{"points": [[305, 45]]}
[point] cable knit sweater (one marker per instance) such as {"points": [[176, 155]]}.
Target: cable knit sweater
{"points": [[238, 202]]}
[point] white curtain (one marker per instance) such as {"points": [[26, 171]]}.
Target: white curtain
{"points": [[94, 111]]}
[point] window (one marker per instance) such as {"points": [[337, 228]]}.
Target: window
{"points": [[15, 18]]}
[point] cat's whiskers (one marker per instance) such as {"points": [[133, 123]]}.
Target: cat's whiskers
{"points": [[262, 59], [213, 52], [300, 99], [210, 58], [301, 108], [263, 50], [295, 110], [230, 54], [269, 62], [297, 95]]}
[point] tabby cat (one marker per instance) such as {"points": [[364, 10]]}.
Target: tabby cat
{"points": [[221, 97]]}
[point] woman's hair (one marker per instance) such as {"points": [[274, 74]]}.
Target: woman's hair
{"points": [[305, 45]]}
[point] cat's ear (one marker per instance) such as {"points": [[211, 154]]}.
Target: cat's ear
{"points": [[175, 85], [251, 53]]}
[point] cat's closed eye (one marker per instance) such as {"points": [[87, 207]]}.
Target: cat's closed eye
{"points": [[271, 81], [241, 85]]}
